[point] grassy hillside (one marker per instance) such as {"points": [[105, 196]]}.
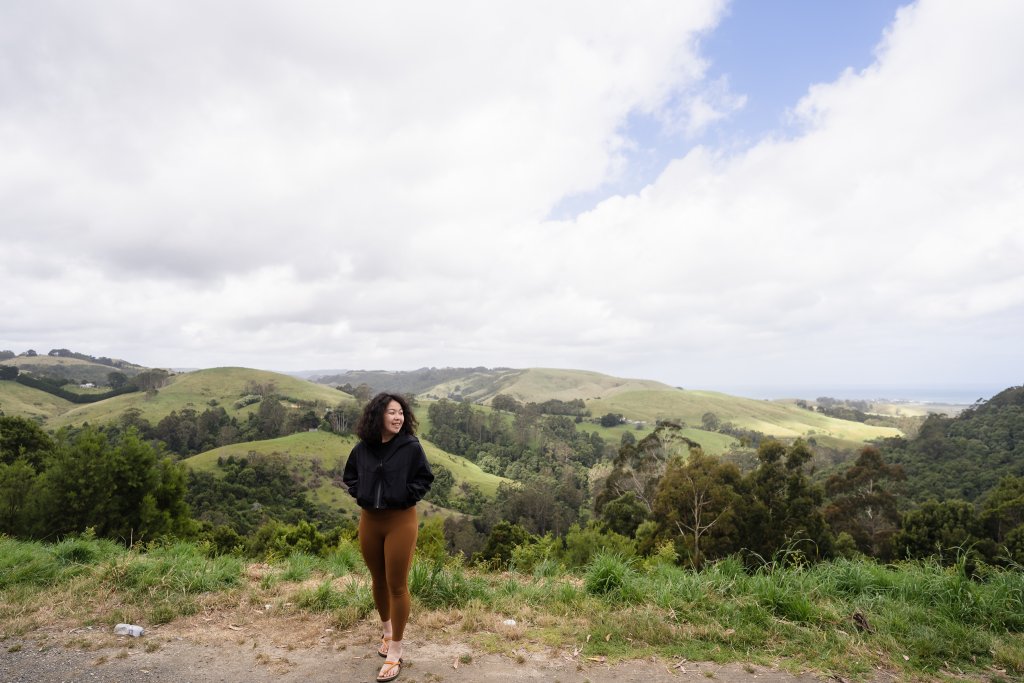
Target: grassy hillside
{"points": [[199, 390], [636, 399], [17, 399], [313, 452], [769, 417], [541, 384], [68, 368], [649, 401], [711, 442]]}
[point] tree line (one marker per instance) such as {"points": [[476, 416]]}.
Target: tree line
{"points": [[572, 493]]}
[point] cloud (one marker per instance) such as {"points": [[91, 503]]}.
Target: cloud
{"points": [[247, 183]]}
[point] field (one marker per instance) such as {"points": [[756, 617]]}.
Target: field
{"points": [[649, 401], [711, 443], [17, 399], [76, 369], [637, 400], [769, 417], [200, 390]]}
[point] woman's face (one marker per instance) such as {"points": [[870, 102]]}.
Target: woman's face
{"points": [[394, 417]]}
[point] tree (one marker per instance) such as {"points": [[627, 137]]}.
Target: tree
{"points": [[343, 417], [638, 468], [943, 530], [116, 379], [1002, 510], [783, 508], [710, 422], [624, 514], [697, 498], [863, 503], [8, 372], [23, 439], [503, 538], [270, 419], [124, 489], [506, 403], [363, 393], [17, 488], [444, 480], [612, 419], [151, 380]]}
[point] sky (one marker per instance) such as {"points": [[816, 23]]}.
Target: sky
{"points": [[766, 198]]}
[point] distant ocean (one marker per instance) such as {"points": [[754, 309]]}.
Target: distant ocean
{"points": [[955, 395]]}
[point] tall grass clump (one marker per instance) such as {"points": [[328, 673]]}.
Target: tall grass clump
{"points": [[26, 563], [444, 586], [299, 566], [86, 550], [344, 560], [33, 563], [612, 576], [348, 605], [175, 569]]}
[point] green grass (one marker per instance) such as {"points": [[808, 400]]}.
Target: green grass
{"points": [[769, 417], [636, 399], [843, 618], [196, 390], [541, 384], [17, 399]]}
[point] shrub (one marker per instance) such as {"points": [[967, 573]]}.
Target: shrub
{"points": [[611, 575]]}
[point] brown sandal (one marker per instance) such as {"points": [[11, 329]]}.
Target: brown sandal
{"points": [[382, 649], [389, 671]]}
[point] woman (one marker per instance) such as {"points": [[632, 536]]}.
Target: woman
{"points": [[387, 472]]}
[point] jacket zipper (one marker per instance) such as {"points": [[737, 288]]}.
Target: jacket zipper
{"points": [[378, 493]]}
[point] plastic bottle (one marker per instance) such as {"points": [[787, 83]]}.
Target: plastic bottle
{"points": [[128, 630]]}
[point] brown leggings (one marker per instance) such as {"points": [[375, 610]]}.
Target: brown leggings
{"points": [[387, 539]]}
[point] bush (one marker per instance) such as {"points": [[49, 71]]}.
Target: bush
{"points": [[581, 545], [537, 554], [612, 576]]}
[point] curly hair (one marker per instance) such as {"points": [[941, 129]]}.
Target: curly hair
{"points": [[371, 422]]}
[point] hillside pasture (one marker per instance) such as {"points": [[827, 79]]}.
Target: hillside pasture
{"points": [[541, 384], [18, 399], [711, 443], [200, 390], [68, 368], [769, 417]]}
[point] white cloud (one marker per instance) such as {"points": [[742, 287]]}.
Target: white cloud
{"points": [[366, 187]]}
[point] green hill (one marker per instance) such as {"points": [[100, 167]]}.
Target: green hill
{"points": [[649, 401], [22, 401], [199, 390], [964, 456], [769, 417], [313, 454], [72, 368], [636, 399]]}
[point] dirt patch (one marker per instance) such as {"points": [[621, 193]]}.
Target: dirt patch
{"points": [[304, 648]]}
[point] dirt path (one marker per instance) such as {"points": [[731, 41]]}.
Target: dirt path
{"points": [[248, 654]]}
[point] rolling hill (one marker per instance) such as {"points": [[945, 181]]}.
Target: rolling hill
{"points": [[199, 390], [637, 400], [79, 369]]}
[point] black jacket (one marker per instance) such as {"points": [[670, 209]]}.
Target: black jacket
{"points": [[394, 475]]}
